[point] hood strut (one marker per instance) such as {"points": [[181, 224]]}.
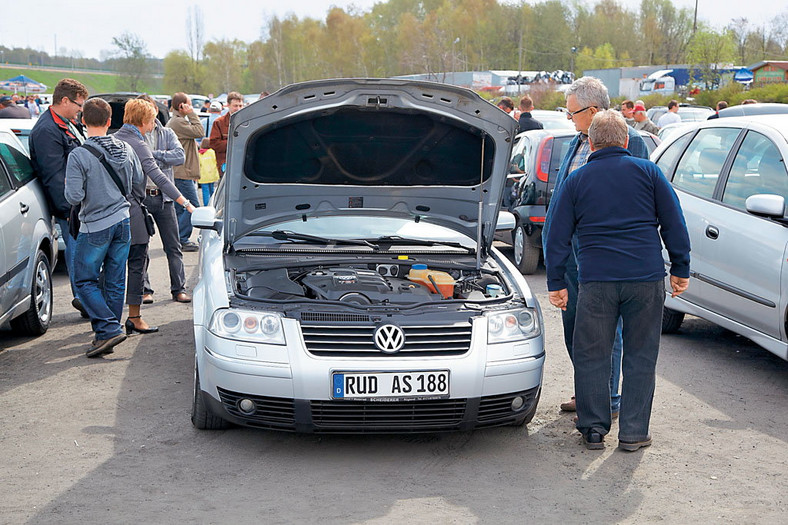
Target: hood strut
{"points": [[481, 212]]}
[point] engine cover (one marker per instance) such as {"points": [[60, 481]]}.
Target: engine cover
{"points": [[361, 286]]}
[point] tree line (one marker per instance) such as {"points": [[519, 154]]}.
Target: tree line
{"points": [[398, 37]]}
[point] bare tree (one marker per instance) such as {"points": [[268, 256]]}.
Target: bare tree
{"points": [[133, 59], [195, 33]]}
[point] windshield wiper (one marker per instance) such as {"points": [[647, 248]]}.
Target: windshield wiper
{"points": [[286, 235], [397, 240]]}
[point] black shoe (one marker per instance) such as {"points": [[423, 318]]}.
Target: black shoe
{"points": [[130, 328], [631, 446], [594, 441], [189, 246], [76, 303], [104, 346]]}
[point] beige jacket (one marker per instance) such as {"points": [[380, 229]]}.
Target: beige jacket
{"points": [[187, 128]]}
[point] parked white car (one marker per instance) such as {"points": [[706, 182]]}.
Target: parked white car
{"points": [[347, 279], [28, 247], [731, 178]]}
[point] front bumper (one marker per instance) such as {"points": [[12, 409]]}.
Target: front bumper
{"points": [[292, 391]]}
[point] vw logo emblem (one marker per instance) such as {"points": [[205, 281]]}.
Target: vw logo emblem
{"points": [[389, 338]]}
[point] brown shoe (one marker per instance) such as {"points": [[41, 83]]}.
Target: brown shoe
{"points": [[181, 297], [147, 299], [569, 406]]}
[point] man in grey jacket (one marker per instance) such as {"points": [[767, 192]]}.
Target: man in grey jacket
{"points": [[104, 233]]}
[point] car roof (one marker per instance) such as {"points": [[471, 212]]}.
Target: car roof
{"points": [[754, 109], [17, 123]]}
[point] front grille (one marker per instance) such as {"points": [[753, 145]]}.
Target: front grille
{"points": [[493, 409], [358, 341], [271, 412], [371, 416]]}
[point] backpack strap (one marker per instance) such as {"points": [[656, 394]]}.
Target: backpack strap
{"points": [[112, 173]]}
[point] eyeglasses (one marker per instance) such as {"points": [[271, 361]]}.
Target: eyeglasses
{"points": [[571, 114], [75, 102]]}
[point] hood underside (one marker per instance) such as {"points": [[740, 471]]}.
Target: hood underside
{"points": [[375, 147]]}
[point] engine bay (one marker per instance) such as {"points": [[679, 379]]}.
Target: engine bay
{"points": [[370, 284]]}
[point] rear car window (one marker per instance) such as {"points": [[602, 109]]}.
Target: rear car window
{"points": [[560, 147]]}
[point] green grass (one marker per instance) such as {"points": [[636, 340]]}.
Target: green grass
{"points": [[95, 82]]}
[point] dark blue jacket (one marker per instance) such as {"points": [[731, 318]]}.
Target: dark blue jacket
{"points": [[50, 142], [618, 206]]}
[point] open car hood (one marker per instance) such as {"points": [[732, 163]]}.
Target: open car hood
{"points": [[367, 147]]}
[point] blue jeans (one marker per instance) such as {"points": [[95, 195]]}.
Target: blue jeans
{"points": [[568, 320], [188, 189], [109, 249], [68, 253], [600, 305], [207, 192]]}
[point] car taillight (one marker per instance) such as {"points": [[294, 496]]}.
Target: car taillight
{"points": [[543, 159], [537, 219]]}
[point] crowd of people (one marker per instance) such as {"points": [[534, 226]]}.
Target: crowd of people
{"points": [[111, 193]]}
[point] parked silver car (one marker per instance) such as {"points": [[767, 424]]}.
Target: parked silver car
{"points": [[731, 178], [347, 279], [28, 247]]}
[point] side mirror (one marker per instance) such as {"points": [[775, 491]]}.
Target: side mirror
{"points": [[766, 205], [204, 217], [506, 221]]}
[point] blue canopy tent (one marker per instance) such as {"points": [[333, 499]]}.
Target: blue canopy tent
{"points": [[21, 83], [743, 76]]}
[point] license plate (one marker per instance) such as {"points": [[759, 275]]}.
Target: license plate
{"points": [[433, 384]]}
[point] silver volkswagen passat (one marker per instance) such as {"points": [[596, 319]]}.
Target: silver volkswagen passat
{"points": [[348, 281]]}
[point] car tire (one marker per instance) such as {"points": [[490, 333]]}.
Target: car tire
{"points": [[202, 418], [526, 254], [35, 321], [671, 320]]}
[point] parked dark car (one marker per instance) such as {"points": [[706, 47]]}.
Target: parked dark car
{"points": [[117, 101], [536, 158]]}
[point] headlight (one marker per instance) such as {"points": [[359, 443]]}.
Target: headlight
{"points": [[244, 325], [512, 325]]}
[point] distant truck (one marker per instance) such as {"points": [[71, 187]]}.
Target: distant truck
{"points": [[664, 81]]}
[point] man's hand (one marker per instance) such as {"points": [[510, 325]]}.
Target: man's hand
{"points": [[186, 108], [559, 298], [679, 285]]}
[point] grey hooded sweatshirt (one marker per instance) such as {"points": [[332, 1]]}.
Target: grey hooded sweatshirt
{"points": [[88, 183]]}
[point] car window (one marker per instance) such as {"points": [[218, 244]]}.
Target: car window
{"points": [[17, 162], [671, 155], [700, 166], [5, 186], [758, 169], [560, 147]]}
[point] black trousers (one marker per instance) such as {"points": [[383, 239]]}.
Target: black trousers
{"points": [[138, 255], [167, 226]]}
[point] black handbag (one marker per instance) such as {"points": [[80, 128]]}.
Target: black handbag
{"points": [[146, 215], [73, 221]]}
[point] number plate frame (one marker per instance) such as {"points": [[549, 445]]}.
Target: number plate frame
{"points": [[411, 385]]}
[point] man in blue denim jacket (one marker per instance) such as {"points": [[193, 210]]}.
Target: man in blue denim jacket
{"points": [[584, 99]]}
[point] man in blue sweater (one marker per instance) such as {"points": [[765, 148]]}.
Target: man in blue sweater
{"points": [[619, 207], [584, 98]]}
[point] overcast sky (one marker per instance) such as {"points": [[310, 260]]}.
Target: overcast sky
{"points": [[88, 26]]}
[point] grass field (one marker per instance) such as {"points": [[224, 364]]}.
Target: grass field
{"points": [[95, 82]]}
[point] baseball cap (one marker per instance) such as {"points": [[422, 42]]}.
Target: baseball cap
{"points": [[640, 107], [216, 105], [5, 99]]}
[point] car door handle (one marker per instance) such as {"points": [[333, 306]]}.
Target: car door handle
{"points": [[24, 208], [712, 232]]}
